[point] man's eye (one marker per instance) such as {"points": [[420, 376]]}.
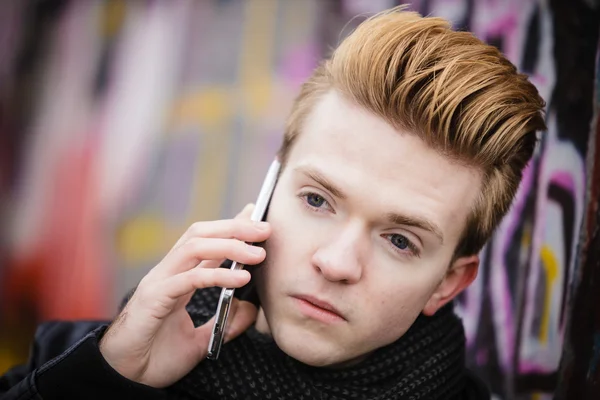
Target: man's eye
{"points": [[403, 244], [400, 241], [315, 200]]}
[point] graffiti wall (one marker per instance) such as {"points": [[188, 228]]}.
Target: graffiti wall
{"points": [[515, 314], [124, 122], [580, 364]]}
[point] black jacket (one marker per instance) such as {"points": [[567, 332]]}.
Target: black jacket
{"points": [[66, 363]]}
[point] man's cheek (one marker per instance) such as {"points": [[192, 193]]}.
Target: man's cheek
{"points": [[397, 305], [393, 322]]}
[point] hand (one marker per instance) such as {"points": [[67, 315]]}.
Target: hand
{"points": [[153, 340]]}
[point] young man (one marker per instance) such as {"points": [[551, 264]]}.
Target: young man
{"points": [[401, 155]]}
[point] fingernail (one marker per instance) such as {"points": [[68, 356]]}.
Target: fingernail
{"points": [[255, 250], [262, 225]]}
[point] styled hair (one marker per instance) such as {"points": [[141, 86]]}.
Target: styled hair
{"points": [[459, 95]]}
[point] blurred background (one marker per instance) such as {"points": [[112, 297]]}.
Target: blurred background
{"points": [[123, 122]]}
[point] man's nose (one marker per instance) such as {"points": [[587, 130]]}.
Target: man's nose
{"points": [[340, 259]]}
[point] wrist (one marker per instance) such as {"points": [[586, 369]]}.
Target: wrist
{"points": [[108, 348], [83, 370]]}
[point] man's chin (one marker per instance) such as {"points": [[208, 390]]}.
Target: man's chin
{"points": [[313, 350]]}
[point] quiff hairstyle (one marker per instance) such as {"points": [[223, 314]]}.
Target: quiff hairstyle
{"points": [[459, 95]]}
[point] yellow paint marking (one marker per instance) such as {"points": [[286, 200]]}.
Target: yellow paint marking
{"points": [[141, 238], [208, 107], [258, 41], [550, 264]]}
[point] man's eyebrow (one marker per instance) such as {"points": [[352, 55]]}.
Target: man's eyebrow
{"points": [[322, 180], [394, 218], [417, 222]]}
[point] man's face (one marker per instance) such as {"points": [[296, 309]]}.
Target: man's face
{"points": [[365, 221]]}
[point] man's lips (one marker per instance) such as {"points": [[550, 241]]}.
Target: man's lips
{"points": [[318, 309]]}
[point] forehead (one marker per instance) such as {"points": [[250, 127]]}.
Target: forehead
{"points": [[373, 162]]}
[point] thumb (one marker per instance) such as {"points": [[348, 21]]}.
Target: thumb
{"points": [[202, 335], [243, 315]]}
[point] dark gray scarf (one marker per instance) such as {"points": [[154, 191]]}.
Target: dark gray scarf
{"points": [[425, 363]]}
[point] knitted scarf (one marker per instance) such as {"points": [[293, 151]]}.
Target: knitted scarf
{"points": [[427, 362]]}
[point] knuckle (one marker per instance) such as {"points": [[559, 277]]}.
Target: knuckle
{"points": [[144, 293], [144, 282], [196, 228], [159, 304], [230, 228], [192, 246], [240, 249], [244, 225]]}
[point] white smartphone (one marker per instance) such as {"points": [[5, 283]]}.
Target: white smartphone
{"points": [[264, 197]]}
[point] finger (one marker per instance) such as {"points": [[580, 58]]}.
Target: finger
{"points": [[190, 254], [223, 263], [202, 334], [211, 263], [200, 278], [246, 212], [232, 310], [240, 228], [242, 317], [243, 215]]}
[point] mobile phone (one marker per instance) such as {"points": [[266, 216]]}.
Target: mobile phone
{"points": [[262, 203]]}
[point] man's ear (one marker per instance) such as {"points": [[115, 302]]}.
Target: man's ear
{"points": [[459, 276]]}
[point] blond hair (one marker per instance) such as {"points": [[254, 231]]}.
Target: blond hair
{"points": [[459, 95]]}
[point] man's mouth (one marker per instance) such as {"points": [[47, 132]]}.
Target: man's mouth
{"points": [[318, 309]]}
